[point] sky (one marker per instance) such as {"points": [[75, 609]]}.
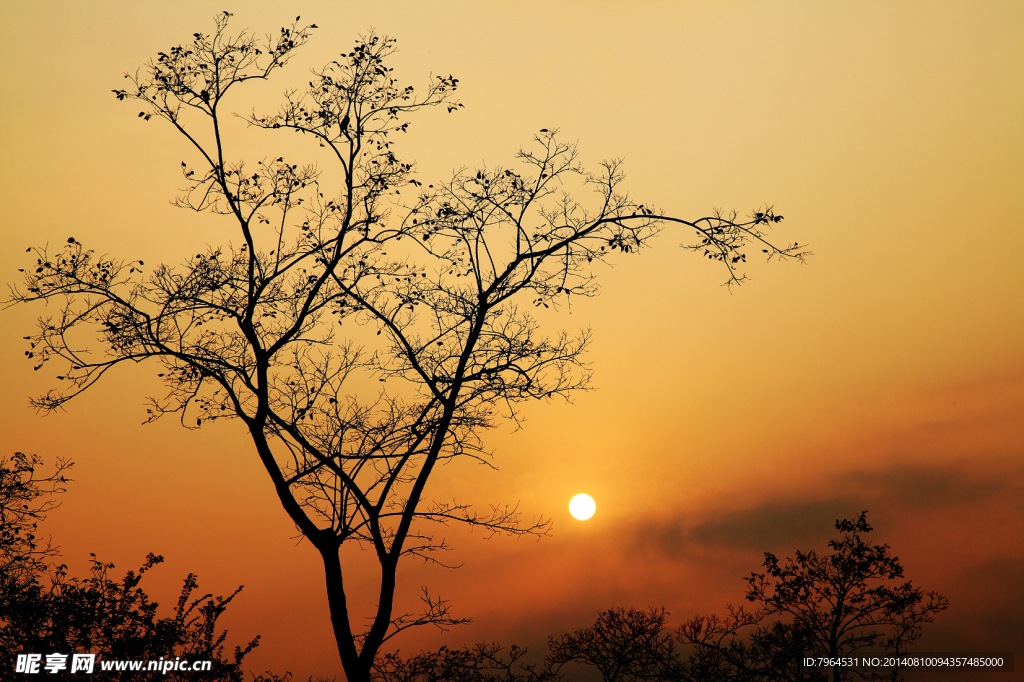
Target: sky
{"points": [[886, 374]]}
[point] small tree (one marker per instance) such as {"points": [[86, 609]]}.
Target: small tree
{"points": [[420, 292], [834, 605]]}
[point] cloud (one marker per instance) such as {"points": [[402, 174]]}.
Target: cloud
{"points": [[764, 526], [796, 521], [923, 487]]}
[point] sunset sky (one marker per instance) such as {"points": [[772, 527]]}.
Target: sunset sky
{"points": [[886, 374]]}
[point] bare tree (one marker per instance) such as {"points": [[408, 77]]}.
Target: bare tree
{"points": [[421, 292]]}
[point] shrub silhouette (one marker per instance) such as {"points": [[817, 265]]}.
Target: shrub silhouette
{"points": [[43, 610]]}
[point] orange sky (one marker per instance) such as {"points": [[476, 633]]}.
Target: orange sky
{"points": [[887, 374]]}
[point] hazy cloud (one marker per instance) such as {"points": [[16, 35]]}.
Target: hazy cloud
{"points": [[795, 522]]}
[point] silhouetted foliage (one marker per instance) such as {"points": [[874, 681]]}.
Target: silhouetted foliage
{"points": [[25, 499], [44, 611], [624, 645], [849, 601], [852, 599], [480, 663], [418, 300]]}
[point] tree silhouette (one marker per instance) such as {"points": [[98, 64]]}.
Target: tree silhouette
{"points": [[416, 295], [625, 645], [44, 611], [833, 605]]}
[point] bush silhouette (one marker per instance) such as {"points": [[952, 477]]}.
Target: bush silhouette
{"points": [[43, 610]]}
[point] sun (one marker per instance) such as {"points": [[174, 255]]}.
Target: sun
{"points": [[582, 506]]}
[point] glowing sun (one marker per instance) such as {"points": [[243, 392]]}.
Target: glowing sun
{"points": [[582, 506]]}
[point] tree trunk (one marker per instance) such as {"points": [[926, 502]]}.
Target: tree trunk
{"points": [[356, 670]]}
